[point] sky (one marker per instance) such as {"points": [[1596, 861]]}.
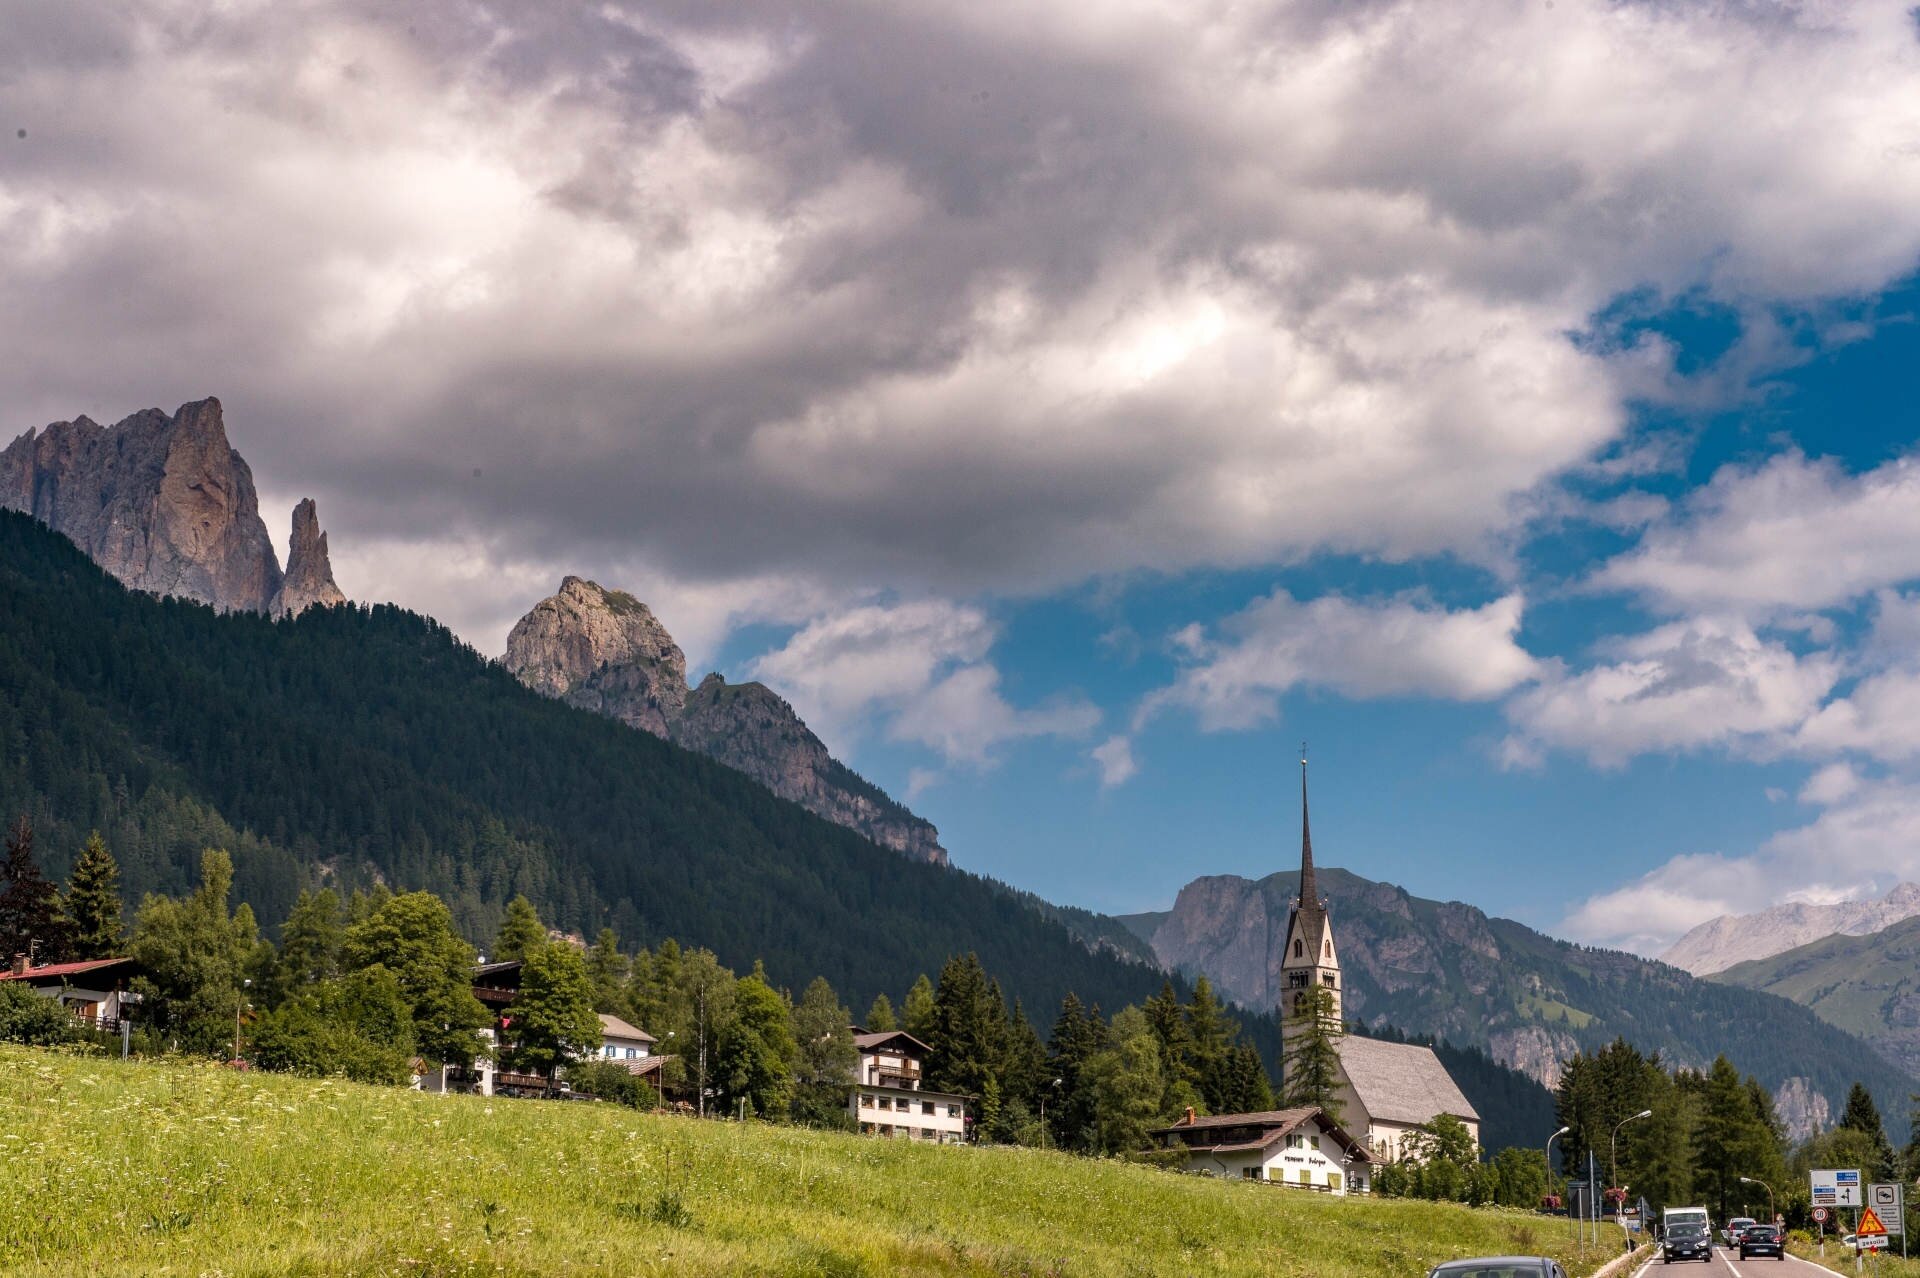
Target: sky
{"points": [[1071, 409]]}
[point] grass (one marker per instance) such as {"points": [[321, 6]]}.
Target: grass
{"points": [[1885, 1264], [174, 1168]]}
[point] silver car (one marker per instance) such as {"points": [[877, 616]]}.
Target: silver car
{"points": [[1499, 1267]]}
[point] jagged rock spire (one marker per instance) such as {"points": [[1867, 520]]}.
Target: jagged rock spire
{"points": [[309, 577]]}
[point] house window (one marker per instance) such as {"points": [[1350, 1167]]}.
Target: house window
{"points": [[1251, 1173], [953, 1111], [926, 1107], [1306, 1177], [867, 1101], [1333, 1181]]}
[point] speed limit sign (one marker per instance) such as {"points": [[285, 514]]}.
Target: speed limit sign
{"points": [[1820, 1214]]}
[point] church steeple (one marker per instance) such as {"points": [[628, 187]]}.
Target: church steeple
{"points": [[1309, 960], [1309, 886]]}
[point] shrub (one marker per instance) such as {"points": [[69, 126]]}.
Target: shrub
{"points": [[26, 1017]]}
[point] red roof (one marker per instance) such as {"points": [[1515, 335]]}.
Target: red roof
{"points": [[61, 969]]}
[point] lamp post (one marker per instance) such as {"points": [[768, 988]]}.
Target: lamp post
{"points": [[1613, 1159], [1556, 1136], [1043, 1109], [1750, 1180], [239, 1005]]}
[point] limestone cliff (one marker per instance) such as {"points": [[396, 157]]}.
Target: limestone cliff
{"points": [[166, 505], [309, 579], [603, 650], [1718, 944], [163, 503]]}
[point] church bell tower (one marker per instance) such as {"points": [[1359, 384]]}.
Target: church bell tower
{"points": [[1309, 962]]}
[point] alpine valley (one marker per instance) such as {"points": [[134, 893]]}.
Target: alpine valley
{"points": [[205, 697]]}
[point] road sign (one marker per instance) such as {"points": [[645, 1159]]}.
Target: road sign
{"points": [[1820, 1215], [1888, 1202], [1836, 1188], [1869, 1226]]}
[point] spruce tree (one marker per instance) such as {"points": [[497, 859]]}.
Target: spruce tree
{"points": [[93, 902], [825, 1058], [30, 921], [1863, 1116], [521, 932], [607, 969], [916, 1014], [1210, 1035], [1312, 1061], [880, 1018], [967, 1038]]}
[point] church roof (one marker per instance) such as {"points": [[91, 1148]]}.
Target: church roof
{"points": [[1401, 1082]]}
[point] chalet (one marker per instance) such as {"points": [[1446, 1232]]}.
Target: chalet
{"points": [[96, 991], [620, 1041], [887, 1098], [1302, 1148]]}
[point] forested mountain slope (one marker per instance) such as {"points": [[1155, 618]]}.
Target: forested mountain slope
{"points": [[1447, 969], [369, 741]]}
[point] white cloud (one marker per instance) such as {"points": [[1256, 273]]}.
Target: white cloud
{"points": [[1860, 846], [1115, 759], [1789, 533], [1363, 648], [916, 670], [1831, 784], [1704, 682]]}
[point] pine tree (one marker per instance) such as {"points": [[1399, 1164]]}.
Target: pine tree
{"points": [[1078, 1036], [967, 1039], [310, 943], [521, 932], [607, 969], [1211, 1035], [916, 1014], [880, 1016], [1862, 1115], [93, 902], [1126, 1081], [1312, 1062], [1248, 1089], [30, 921]]}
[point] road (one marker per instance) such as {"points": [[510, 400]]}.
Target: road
{"points": [[1727, 1264]]}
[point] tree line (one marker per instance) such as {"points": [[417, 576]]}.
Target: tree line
{"points": [[1712, 1137]]}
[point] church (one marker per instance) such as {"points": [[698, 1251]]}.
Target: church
{"points": [[1387, 1090]]}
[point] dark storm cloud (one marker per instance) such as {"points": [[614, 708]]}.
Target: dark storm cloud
{"points": [[858, 296]]}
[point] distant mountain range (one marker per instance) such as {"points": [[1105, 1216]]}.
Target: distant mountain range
{"points": [[1866, 985], [1446, 968], [1720, 943]]}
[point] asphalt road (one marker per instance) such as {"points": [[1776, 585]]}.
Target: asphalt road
{"points": [[1727, 1264]]}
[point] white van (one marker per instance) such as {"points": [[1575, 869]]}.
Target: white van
{"points": [[1672, 1216]]}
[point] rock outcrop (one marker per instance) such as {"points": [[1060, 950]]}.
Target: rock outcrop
{"points": [[1718, 944], [603, 650], [166, 505], [309, 577], [163, 503]]}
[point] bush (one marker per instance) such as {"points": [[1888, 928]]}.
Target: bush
{"points": [[26, 1017]]}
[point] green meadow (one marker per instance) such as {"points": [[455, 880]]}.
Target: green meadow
{"points": [[179, 1168]]}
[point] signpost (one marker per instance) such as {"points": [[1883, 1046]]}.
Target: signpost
{"points": [[1836, 1188], [1889, 1206]]}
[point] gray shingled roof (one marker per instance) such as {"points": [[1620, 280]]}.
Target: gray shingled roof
{"points": [[613, 1027], [1401, 1082]]}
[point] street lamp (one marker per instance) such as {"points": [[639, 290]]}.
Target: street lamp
{"points": [[1556, 1136], [1749, 1180], [239, 1004], [1613, 1149], [1043, 1111]]}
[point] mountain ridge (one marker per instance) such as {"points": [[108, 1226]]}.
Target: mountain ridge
{"points": [[1722, 942]]}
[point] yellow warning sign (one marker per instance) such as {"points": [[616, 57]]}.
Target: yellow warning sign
{"points": [[1869, 1226]]}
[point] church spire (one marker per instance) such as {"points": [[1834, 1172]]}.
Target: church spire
{"points": [[1309, 886]]}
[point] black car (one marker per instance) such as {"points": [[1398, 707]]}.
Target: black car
{"points": [[1762, 1240], [1687, 1242]]}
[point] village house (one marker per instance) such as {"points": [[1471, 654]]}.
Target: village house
{"points": [[887, 1098], [1301, 1148], [621, 1041], [96, 991], [1384, 1090]]}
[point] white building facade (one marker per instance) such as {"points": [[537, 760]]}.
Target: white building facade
{"points": [[1299, 1148], [888, 1100]]}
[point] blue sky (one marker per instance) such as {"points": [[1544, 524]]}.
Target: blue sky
{"points": [[1071, 408]]}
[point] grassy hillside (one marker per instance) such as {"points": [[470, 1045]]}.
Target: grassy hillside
{"points": [[190, 1170], [1867, 985]]}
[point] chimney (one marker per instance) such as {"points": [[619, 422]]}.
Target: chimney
{"points": [[19, 965], [1187, 1120]]}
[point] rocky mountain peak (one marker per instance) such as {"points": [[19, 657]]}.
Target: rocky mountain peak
{"points": [[163, 503], [309, 578], [1719, 943], [603, 650]]}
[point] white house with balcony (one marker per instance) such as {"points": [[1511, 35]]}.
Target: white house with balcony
{"points": [[888, 1099], [1300, 1148]]}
